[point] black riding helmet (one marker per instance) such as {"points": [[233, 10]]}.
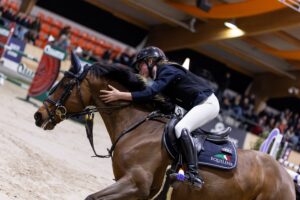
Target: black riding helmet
{"points": [[149, 52]]}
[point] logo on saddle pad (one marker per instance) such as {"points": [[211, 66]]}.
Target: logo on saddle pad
{"points": [[222, 159], [226, 150]]}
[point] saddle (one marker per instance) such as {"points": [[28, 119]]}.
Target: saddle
{"points": [[213, 148]]}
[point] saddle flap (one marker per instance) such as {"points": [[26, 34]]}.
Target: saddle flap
{"points": [[220, 133], [219, 136], [169, 138], [225, 131]]}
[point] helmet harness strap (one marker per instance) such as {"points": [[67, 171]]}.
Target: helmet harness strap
{"points": [[151, 65]]}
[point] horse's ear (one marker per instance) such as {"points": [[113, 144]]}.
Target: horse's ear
{"points": [[75, 62]]}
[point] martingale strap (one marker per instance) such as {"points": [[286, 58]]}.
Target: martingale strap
{"points": [[155, 115], [89, 132]]}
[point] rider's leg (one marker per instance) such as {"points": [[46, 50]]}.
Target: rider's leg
{"points": [[196, 117], [190, 154], [199, 115]]}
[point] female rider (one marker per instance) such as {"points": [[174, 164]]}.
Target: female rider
{"points": [[184, 89]]}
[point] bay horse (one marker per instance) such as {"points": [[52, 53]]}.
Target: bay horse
{"points": [[139, 159]]}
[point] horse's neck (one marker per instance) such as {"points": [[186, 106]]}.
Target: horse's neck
{"points": [[118, 120], [115, 119]]}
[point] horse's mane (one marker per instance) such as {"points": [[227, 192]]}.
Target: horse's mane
{"points": [[121, 73], [132, 81]]}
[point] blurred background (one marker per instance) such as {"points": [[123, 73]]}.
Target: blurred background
{"points": [[249, 50]]}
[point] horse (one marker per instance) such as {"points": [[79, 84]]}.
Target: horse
{"points": [[139, 159]]}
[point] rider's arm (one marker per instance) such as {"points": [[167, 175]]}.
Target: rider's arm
{"points": [[114, 95], [166, 75], [163, 79], [125, 96]]}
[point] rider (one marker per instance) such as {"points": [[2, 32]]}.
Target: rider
{"points": [[184, 89]]}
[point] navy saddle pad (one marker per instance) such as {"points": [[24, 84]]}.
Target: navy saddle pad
{"points": [[222, 156]]}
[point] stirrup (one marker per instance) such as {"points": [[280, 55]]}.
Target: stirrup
{"points": [[187, 178], [178, 176], [196, 181]]}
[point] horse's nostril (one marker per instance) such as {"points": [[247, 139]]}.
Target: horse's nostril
{"points": [[37, 116]]}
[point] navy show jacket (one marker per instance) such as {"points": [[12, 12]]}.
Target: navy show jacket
{"points": [[180, 85]]}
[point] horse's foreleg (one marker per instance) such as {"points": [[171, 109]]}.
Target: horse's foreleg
{"points": [[119, 190], [125, 188]]}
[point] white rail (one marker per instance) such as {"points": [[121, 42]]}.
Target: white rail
{"points": [[293, 173], [290, 165]]}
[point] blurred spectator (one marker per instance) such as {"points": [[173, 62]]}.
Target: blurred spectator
{"points": [[63, 41], [226, 105], [223, 86], [236, 107], [2, 22], [246, 107], [36, 25], [20, 32], [88, 55], [283, 125], [287, 121], [107, 55], [22, 19], [258, 128], [272, 123], [252, 99], [22, 24], [8, 14], [126, 58], [30, 37], [33, 33], [292, 137]]}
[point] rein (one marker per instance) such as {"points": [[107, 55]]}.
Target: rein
{"points": [[89, 130], [95, 109]]}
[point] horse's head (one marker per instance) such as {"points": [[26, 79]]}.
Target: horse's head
{"points": [[70, 95], [80, 88]]}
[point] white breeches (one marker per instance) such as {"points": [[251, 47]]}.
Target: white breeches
{"points": [[199, 115]]}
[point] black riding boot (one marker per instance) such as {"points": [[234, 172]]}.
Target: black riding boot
{"points": [[190, 154]]}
